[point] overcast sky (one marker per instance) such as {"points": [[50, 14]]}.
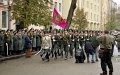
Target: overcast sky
{"points": [[117, 1]]}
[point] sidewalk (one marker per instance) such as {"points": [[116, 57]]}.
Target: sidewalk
{"points": [[13, 57]]}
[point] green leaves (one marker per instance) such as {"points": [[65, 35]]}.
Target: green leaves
{"points": [[30, 12], [111, 25], [79, 19]]}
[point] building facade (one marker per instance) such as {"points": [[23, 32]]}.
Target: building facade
{"points": [[5, 22], [92, 9], [96, 10], [112, 10]]}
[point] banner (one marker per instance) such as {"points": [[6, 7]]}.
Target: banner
{"points": [[57, 19]]}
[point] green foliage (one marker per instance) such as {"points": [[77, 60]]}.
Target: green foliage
{"points": [[79, 19], [29, 12], [111, 25]]}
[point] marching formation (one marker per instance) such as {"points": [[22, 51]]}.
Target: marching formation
{"points": [[64, 43], [68, 43]]}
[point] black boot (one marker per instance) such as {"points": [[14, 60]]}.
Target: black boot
{"points": [[103, 74]]}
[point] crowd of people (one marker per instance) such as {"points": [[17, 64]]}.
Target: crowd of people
{"points": [[61, 43], [64, 43]]}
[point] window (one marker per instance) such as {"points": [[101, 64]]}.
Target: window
{"points": [[95, 7], [4, 19], [60, 7], [87, 4], [94, 17], [91, 16], [56, 5], [91, 5], [97, 17]]}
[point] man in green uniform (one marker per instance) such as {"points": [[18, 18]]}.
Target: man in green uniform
{"points": [[106, 42]]}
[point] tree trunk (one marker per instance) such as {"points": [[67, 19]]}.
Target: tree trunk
{"points": [[71, 12]]}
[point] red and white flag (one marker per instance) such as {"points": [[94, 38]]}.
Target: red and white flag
{"points": [[57, 19]]}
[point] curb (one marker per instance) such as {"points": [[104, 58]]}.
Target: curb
{"points": [[13, 57]]}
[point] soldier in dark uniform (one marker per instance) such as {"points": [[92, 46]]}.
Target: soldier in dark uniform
{"points": [[11, 52], [55, 40], [82, 39], [71, 41], [77, 40], [15, 42], [1, 43], [34, 40], [20, 42], [7, 43], [38, 40], [61, 43], [95, 43], [66, 43]]}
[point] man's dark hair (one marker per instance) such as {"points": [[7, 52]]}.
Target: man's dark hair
{"points": [[106, 32]]}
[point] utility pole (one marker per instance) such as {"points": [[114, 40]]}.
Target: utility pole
{"points": [[9, 14]]}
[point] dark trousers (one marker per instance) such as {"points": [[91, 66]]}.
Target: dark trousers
{"points": [[106, 61], [54, 51], [112, 50], [66, 50], [71, 50]]}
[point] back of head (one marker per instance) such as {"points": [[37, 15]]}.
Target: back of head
{"points": [[106, 32]]}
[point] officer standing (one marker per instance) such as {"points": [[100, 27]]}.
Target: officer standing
{"points": [[106, 42], [1, 43]]}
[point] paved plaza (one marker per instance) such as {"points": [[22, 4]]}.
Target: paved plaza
{"points": [[34, 66]]}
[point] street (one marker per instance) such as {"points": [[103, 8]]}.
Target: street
{"points": [[34, 66]]}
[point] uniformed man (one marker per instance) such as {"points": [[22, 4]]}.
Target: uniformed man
{"points": [[20, 42], [106, 42], [55, 44], [38, 40], [77, 40], [94, 43], [7, 43], [1, 43], [71, 41], [61, 43], [81, 39], [46, 46], [66, 43], [15, 42]]}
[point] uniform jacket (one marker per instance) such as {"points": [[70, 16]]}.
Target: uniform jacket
{"points": [[28, 43], [88, 47], [1, 42], [46, 42]]}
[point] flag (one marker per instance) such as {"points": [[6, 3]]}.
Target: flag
{"points": [[57, 19]]}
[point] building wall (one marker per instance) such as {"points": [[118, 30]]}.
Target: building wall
{"points": [[3, 7], [65, 8], [93, 11], [96, 11]]}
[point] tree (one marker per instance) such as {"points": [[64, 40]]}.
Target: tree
{"points": [[27, 12], [79, 19], [111, 25], [71, 12]]}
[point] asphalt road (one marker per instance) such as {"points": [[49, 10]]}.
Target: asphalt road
{"points": [[34, 66]]}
